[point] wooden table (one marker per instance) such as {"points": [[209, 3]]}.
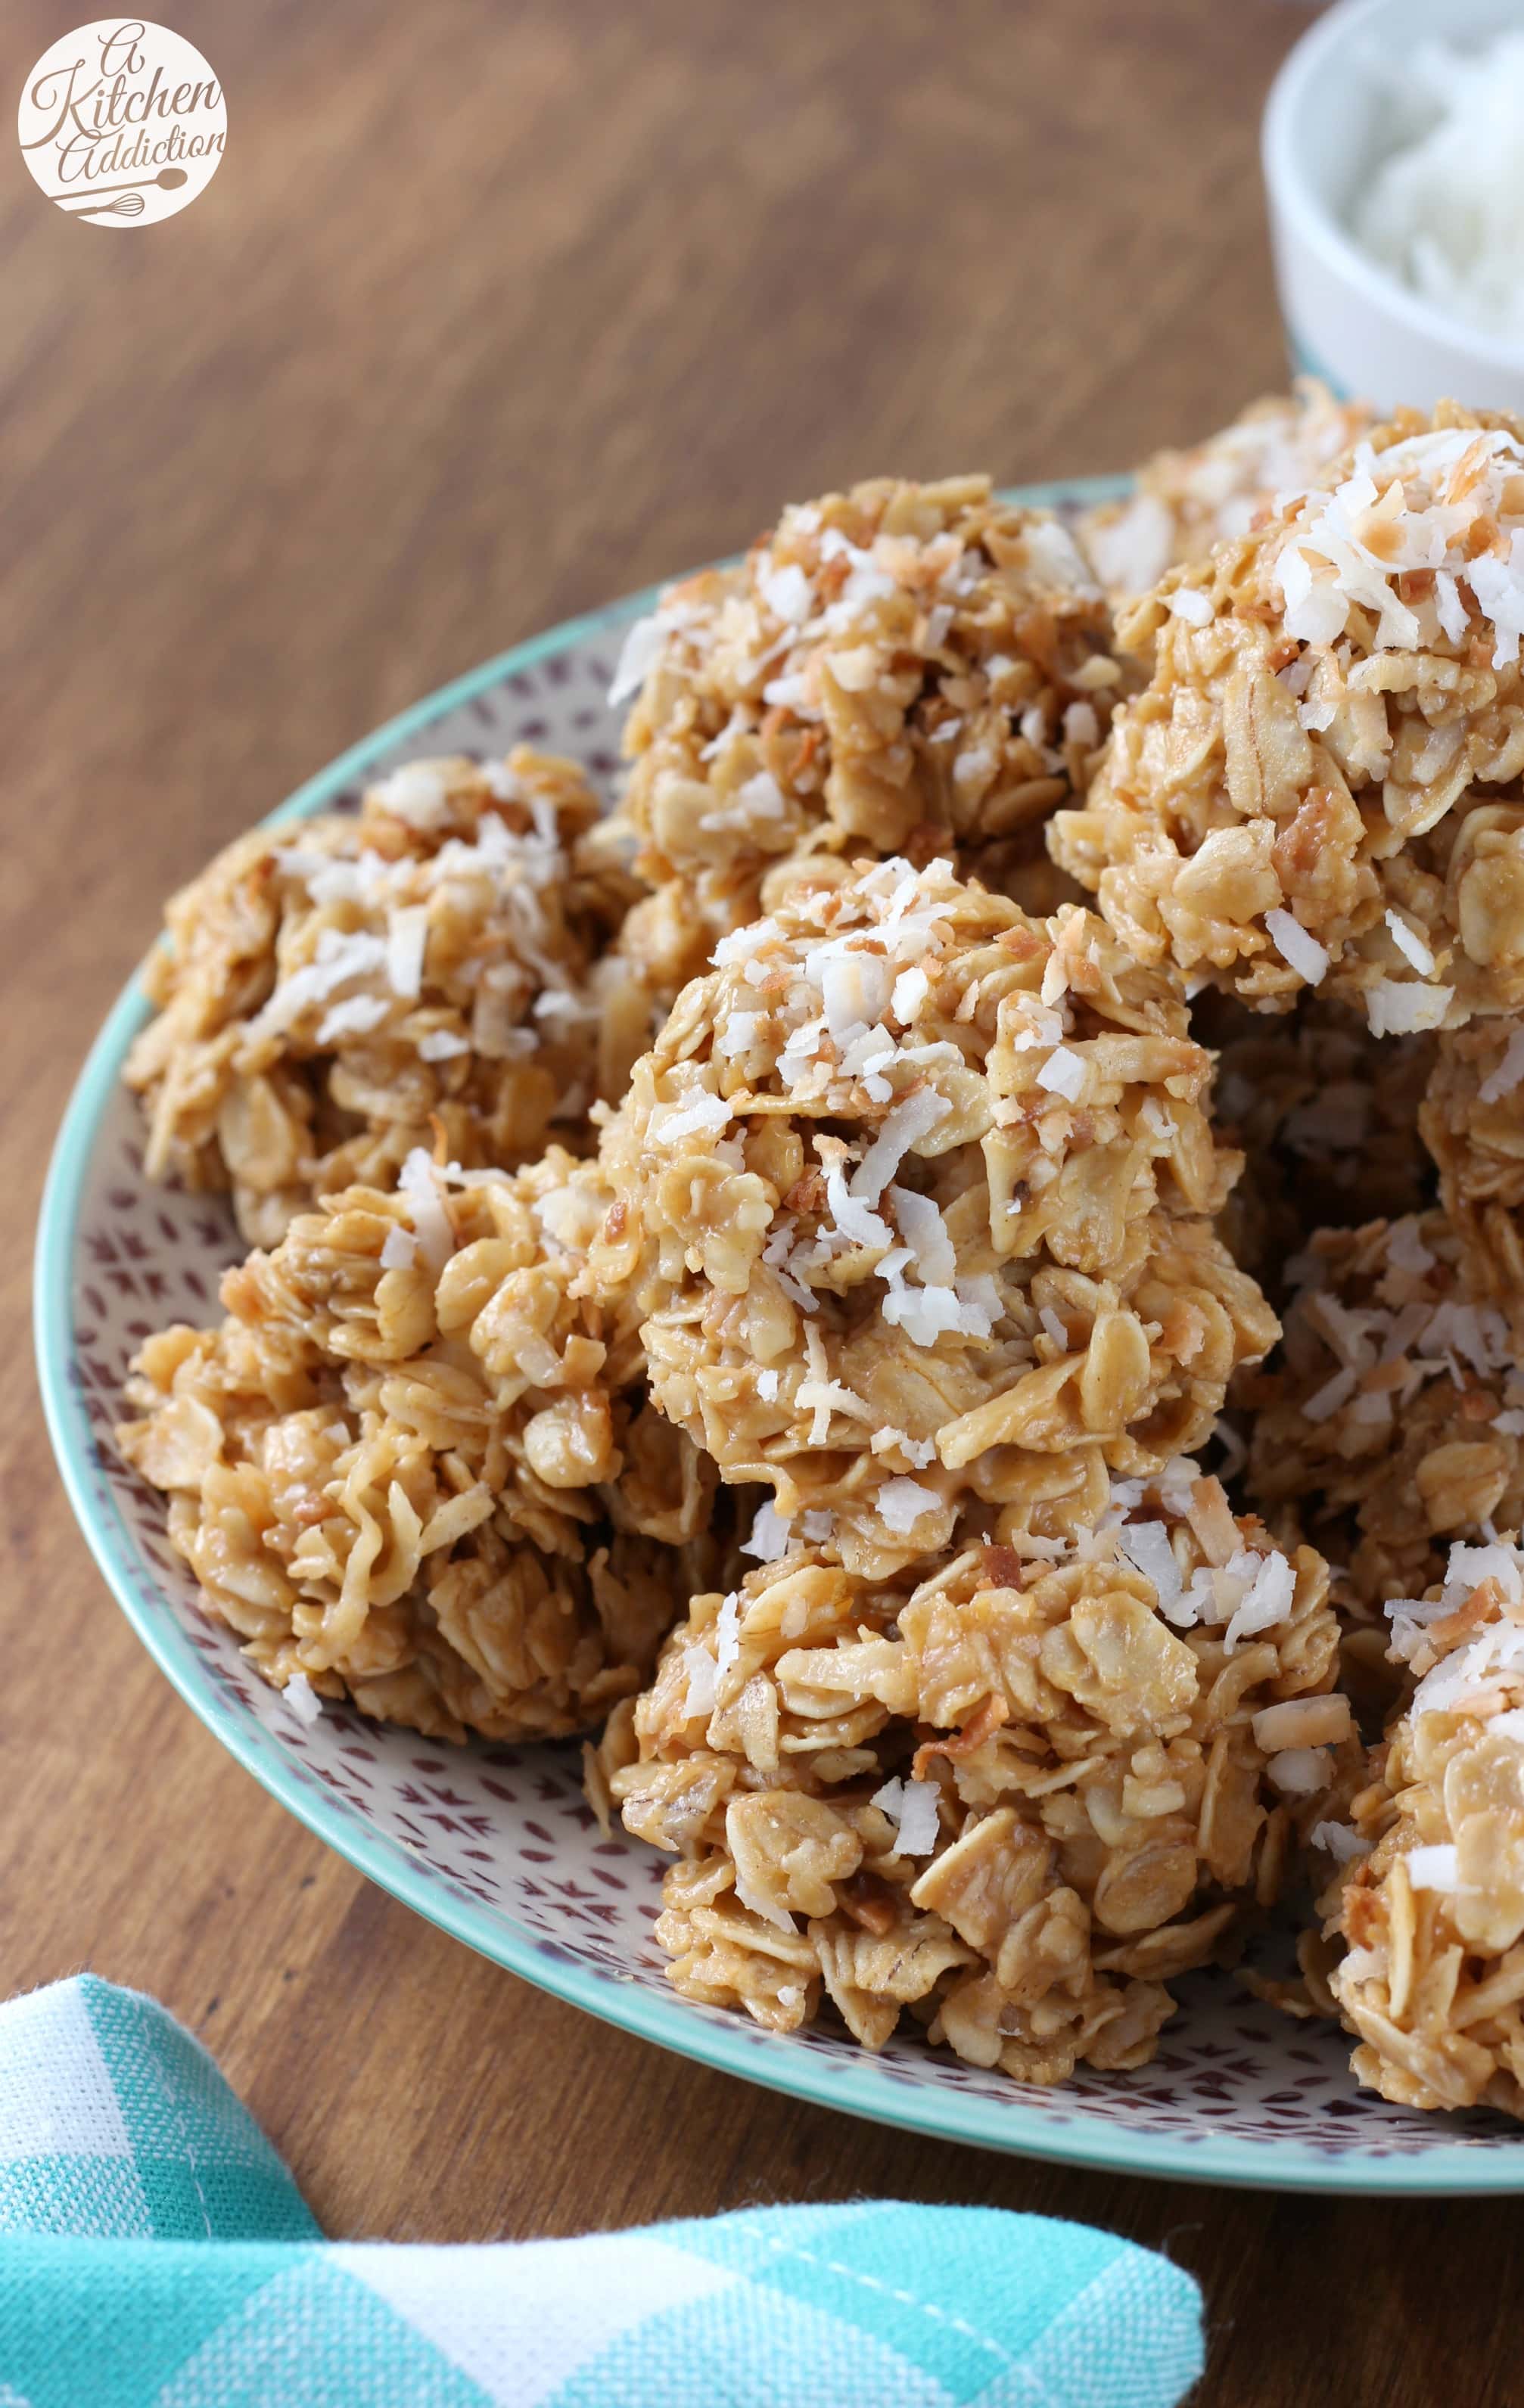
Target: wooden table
{"points": [[491, 313]]}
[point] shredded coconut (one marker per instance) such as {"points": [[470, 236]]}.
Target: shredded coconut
{"points": [[1410, 943], [406, 935], [1339, 1841], [855, 1220], [1298, 946], [351, 1017], [901, 1503], [911, 989], [1267, 1602], [703, 1687], [1395, 1007], [913, 1805], [788, 593], [925, 1232], [637, 657], [1326, 1401], [417, 793], [1146, 1547], [303, 1699], [442, 1045], [1188, 603], [728, 1634], [1298, 1772], [900, 1132], [339, 957], [1405, 1250], [1441, 211], [1063, 1073], [688, 1118], [419, 1181], [769, 1540], [1436, 1869], [1508, 1074]]}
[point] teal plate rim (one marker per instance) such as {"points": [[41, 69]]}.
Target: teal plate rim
{"points": [[862, 2088]]}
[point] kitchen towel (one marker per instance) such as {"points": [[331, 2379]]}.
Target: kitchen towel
{"points": [[155, 2253]]}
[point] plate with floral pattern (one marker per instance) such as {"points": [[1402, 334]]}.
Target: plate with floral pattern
{"points": [[496, 1844]]}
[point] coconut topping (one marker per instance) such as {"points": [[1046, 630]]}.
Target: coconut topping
{"points": [[1417, 506], [1307, 957], [912, 1807]]}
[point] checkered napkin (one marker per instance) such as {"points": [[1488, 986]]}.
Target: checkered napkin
{"points": [[153, 2249]]}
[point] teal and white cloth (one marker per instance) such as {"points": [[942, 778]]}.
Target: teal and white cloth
{"points": [[155, 2253]]}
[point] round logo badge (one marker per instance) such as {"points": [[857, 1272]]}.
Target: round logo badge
{"points": [[122, 122]]}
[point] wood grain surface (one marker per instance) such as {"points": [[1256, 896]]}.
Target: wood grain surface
{"points": [[491, 313]]}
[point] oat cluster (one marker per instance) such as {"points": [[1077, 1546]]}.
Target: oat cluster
{"points": [[916, 1240], [1013, 1796], [1319, 786], [926, 1189], [1315, 807], [413, 1465], [1428, 1902], [329, 991], [1393, 1420], [1182, 503], [903, 669]]}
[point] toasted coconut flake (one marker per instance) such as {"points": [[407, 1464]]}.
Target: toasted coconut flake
{"points": [[1211, 1519]]}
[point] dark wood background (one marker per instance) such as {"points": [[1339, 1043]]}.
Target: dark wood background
{"points": [[491, 313]]}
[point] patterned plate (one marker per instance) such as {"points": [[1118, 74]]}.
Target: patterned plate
{"points": [[496, 1844]]}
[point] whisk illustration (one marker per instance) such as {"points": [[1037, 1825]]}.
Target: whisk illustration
{"points": [[126, 205], [121, 200]]}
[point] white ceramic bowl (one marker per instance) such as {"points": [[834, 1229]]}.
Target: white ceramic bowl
{"points": [[1347, 319]]}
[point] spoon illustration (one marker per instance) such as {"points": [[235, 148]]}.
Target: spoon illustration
{"points": [[126, 205], [170, 179]]}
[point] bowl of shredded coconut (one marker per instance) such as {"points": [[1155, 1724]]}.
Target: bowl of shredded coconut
{"points": [[1394, 165]]}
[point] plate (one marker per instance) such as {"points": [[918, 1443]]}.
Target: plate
{"points": [[496, 1844]]}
